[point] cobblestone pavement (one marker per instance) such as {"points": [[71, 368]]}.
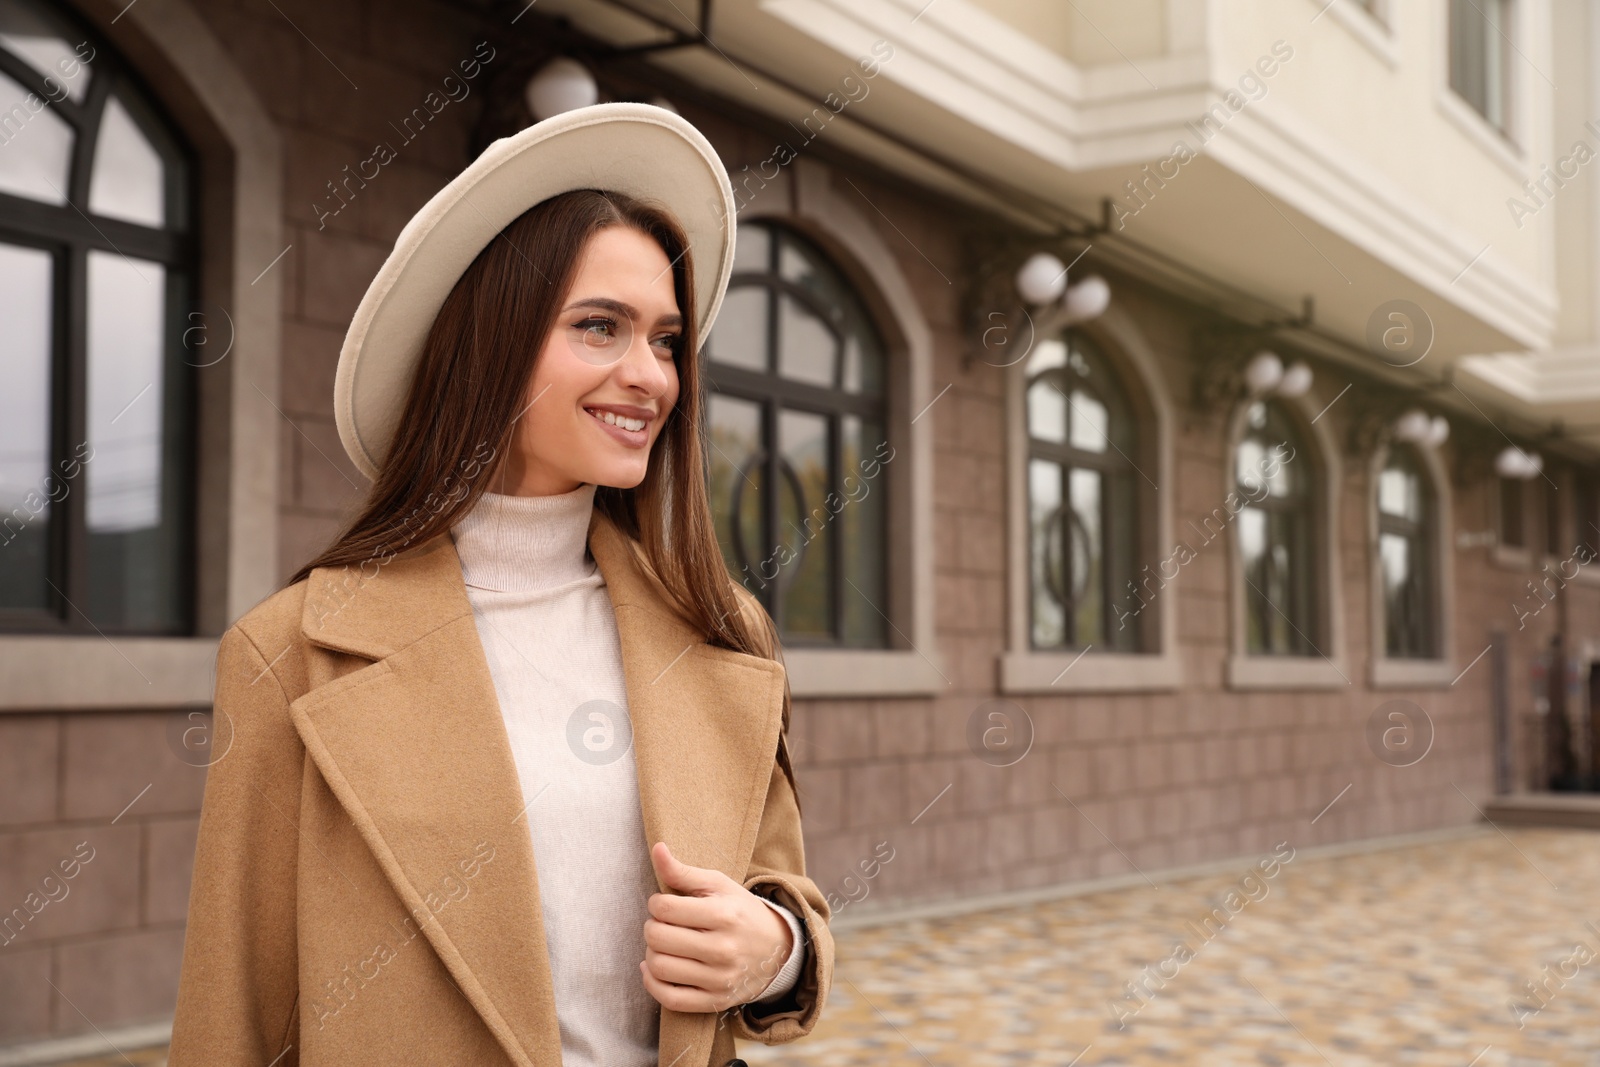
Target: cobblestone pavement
{"points": [[1403, 956], [1411, 956]]}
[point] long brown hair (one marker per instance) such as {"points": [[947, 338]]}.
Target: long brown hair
{"points": [[468, 394]]}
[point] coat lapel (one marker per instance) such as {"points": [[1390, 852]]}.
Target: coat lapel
{"points": [[705, 733], [414, 747]]}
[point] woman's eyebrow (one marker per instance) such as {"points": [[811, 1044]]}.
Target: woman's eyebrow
{"points": [[622, 308]]}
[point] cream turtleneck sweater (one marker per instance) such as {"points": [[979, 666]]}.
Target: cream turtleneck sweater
{"points": [[545, 619]]}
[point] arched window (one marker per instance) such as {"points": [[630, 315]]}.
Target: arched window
{"points": [[798, 442], [1276, 481], [1511, 516], [1082, 511], [95, 444], [1586, 516], [1407, 514]]}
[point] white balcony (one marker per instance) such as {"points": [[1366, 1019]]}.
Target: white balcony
{"points": [[1324, 153]]}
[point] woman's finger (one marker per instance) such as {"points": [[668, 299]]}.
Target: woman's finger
{"points": [[675, 997], [680, 970], [713, 949], [684, 877], [724, 986], [714, 912]]}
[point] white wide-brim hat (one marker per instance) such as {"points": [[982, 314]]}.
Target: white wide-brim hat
{"points": [[644, 151]]}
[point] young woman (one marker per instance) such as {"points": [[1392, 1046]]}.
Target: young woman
{"points": [[500, 777]]}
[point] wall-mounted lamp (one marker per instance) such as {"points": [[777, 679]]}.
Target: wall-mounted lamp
{"points": [[1417, 427], [1042, 280], [1296, 380], [1513, 462], [1088, 299], [1265, 373], [1010, 312], [563, 84]]}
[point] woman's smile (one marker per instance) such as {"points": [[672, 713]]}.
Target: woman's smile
{"points": [[615, 420]]}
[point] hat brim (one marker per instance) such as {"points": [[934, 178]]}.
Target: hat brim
{"points": [[644, 151]]}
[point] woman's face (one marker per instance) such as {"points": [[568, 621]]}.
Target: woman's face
{"points": [[610, 356]]}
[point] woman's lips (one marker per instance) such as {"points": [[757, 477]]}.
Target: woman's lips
{"points": [[631, 438]]}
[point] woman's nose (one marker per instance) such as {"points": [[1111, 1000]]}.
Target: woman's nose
{"points": [[642, 366]]}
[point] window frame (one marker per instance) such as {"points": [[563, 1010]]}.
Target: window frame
{"points": [[1553, 515], [1512, 557], [1417, 534], [1506, 147], [1438, 671], [773, 394], [238, 180], [1373, 26], [1586, 510], [1584, 482], [1530, 509], [1328, 669], [1304, 511], [1118, 477], [803, 198], [70, 235], [1024, 669], [1570, 491], [1523, 543], [1504, 43]]}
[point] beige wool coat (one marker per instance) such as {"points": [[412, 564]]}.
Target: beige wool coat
{"points": [[364, 885]]}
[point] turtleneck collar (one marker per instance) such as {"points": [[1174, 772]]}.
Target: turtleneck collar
{"points": [[525, 543]]}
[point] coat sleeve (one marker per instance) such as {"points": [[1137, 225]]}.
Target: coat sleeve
{"points": [[778, 871], [237, 991]]}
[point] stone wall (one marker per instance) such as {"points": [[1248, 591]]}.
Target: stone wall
{"points": [[98, 817]]}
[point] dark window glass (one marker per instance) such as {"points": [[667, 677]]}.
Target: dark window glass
{"points": [[95, 393], [798, 444], [1082, 510], [1512, 523], [1277, 531], [1586, 517], [1555, 531], [1407, 532], [1480, 57]]}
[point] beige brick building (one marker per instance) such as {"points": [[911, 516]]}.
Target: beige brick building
{"points": [[1012, 572]]}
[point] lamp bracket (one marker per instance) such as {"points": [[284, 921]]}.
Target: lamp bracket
{"points": [[1376, 411], [1220, 357], [1303, 321], [1000, 329]]}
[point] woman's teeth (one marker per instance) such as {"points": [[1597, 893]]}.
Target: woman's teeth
{"points": [[617, 420]]}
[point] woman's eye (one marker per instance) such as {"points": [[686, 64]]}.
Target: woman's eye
{"points": [[596, 332], [669, 343]]}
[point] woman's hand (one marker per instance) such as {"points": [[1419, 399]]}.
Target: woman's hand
{"points": [[717, 947]]}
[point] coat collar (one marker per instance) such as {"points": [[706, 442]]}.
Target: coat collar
{"points": [[415, 749]]}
